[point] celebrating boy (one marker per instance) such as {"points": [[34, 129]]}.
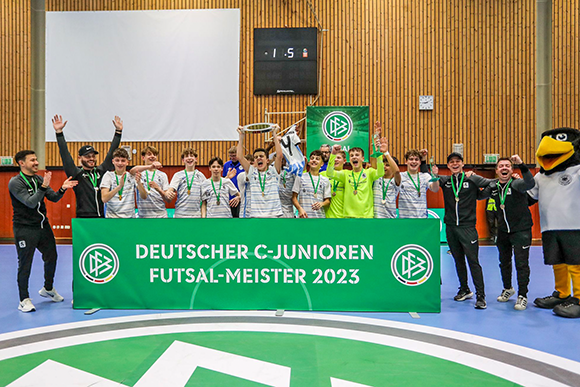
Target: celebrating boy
{"points": [[311, 192], [118, 188], [187, 185], [264, 178]]}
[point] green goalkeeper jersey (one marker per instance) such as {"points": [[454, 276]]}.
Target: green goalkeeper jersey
{"points": [[358, 188]]}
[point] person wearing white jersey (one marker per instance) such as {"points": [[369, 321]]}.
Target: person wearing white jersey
{"points": [[311, 191], [413, 188], [244, 187], [186, 184], [264, 178], [287, 180], [386, 189], [118, 188], [156, 184], [216, 192]]}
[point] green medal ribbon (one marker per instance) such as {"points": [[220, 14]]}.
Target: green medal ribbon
{"points": [[189, 183], [418, 185], [385, 190], [283, 178], [216, 193], [356, 181], [456, 190], [147, 178], [262, 183], [93, 178], [334, 185], [124, 180], [504, 191], [28, 183], [315, 188]]}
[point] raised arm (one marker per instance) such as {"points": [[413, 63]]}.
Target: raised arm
{"points": [[68, 163], [394, 167], [107, 164], [434, 185], [240, 150], [528, 181], [330, 171], [278, 147], [423, 167]]}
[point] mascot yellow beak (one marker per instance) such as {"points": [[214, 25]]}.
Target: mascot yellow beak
{"points": [[552, 153]]}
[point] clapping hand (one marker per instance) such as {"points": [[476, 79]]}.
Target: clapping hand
{"points": [[69, 183], [47, 177]]}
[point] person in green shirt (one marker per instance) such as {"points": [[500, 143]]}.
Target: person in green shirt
{"points": [[358, 183], [335, 210]]}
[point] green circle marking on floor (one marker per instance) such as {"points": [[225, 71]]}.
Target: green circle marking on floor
{"points": [[313, 360]]}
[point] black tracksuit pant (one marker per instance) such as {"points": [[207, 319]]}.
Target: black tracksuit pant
{"points": [[464, 243], [27, 240], [520, 242]]}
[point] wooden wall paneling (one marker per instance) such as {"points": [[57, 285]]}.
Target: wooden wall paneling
{"points": [[476, 58], [14, 76]]}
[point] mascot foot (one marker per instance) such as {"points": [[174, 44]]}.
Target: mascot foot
{"points": [[550, 302], [570, 308]]}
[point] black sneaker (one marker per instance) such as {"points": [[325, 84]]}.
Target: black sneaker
{"points": [[550, 302], [569, 308], [480, 303], [463, 294]]}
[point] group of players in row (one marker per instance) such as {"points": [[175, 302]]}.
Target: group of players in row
{"points": [[255, 186]]}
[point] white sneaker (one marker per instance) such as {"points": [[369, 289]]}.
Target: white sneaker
{"points": [[26, 306], [52, 294], [521, 303], [506, 294]]}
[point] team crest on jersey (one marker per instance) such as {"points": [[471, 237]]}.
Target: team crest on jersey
{"points": [[465, 185], [565, 179], [22, 244], [363, 176]]}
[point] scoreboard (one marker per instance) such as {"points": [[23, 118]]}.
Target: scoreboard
{"points": [[285, 61]]}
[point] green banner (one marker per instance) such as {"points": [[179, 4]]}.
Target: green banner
{"points": [[439, 214], [347, 126], [387, 265]]}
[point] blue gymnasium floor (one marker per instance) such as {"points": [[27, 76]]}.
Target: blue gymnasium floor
{"points": [[533, 328]]}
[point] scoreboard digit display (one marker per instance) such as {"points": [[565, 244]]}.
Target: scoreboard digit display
{"points": [[285, 61]]}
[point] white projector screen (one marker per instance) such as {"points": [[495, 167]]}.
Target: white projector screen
{"points": [[169, 75]]}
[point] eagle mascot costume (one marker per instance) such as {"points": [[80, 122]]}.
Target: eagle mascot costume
{"points": [[557, 190]]}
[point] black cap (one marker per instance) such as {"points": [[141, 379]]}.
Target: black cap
{"points": [[455, 154], [86, 149]]}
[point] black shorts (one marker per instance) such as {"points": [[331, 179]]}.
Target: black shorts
{"points": [[561, 246]]}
